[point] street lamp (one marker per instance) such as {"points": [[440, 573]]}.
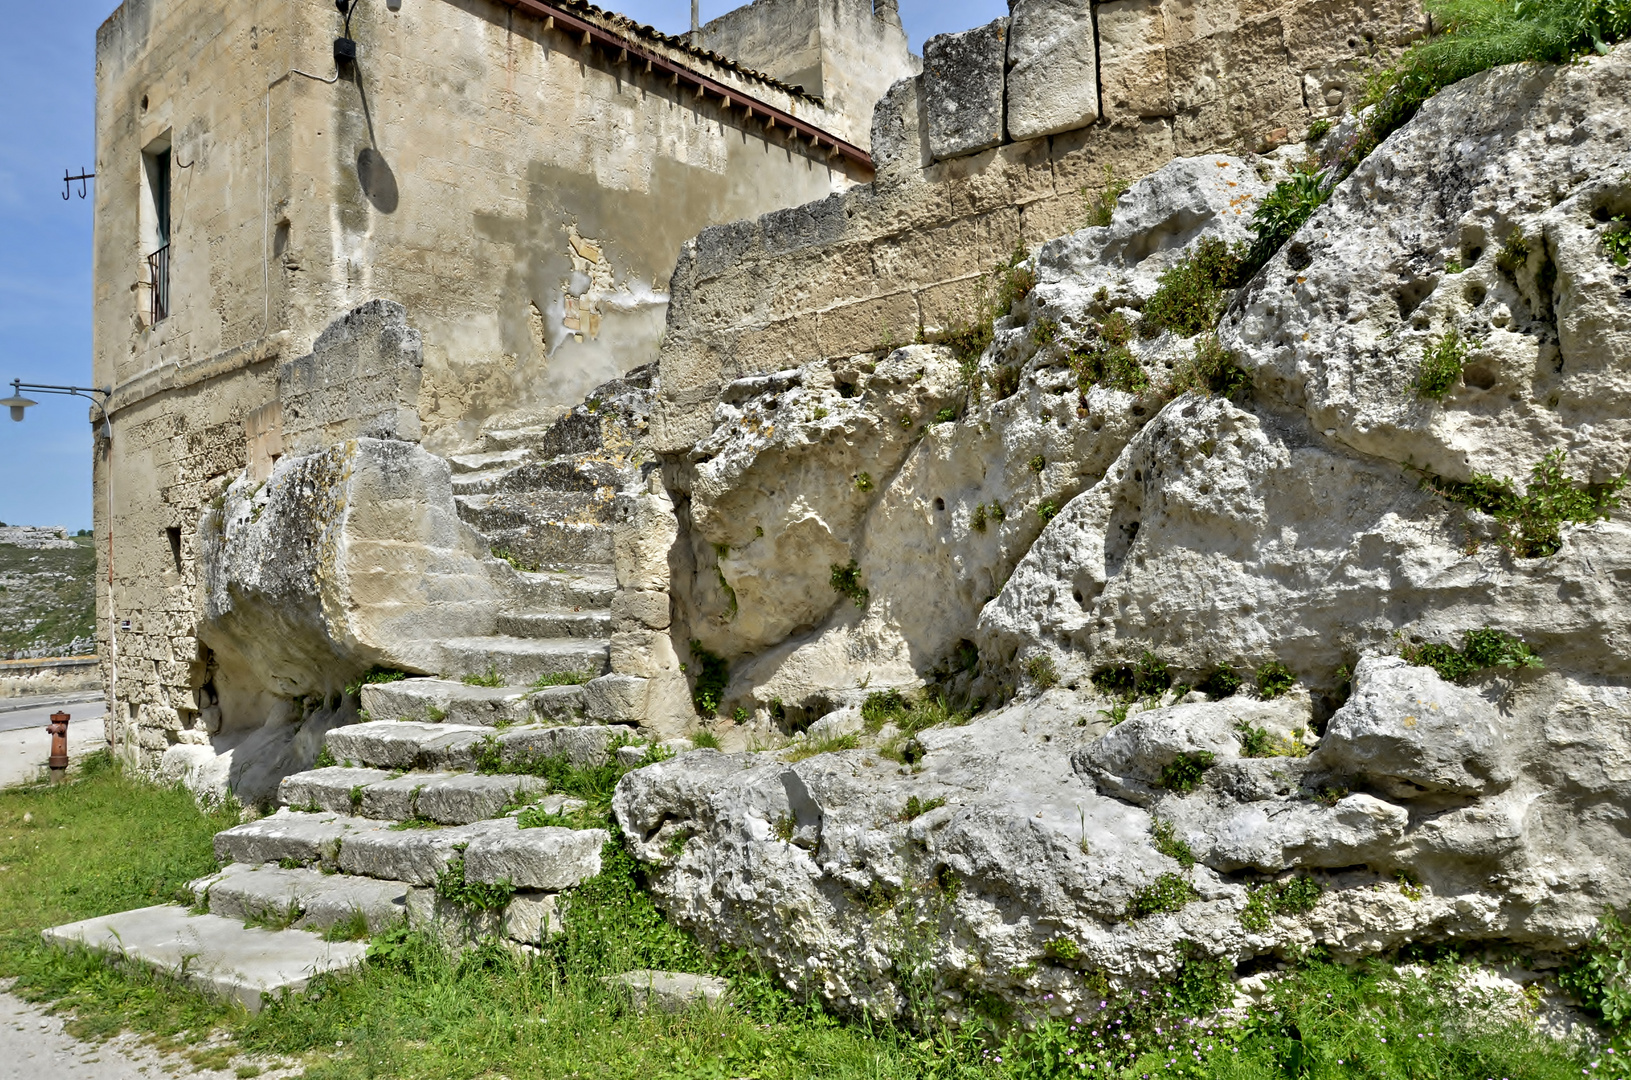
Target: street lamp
{"points": [[17, 402]]}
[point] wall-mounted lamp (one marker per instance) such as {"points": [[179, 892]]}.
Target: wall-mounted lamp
{"points": [[345, 48], [17, 403]]}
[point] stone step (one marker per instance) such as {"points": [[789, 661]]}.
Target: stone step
{"points": [[495, 851], [535, 536], [563, 482], [305, 899], [463, 464], [214, 954], [590, 586], [578, 432], [456, 747], [445, 798], [293, 838], [594, 623], [520, 661], [444, 700]]}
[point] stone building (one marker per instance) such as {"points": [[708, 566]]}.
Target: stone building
{"points": [[520, 175]]}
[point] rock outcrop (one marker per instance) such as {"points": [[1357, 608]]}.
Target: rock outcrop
{"points": [[1390, 778]]}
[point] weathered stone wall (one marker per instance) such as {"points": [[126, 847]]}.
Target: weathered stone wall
{"points": [[524, 195], [871, 265], [847, 52]]}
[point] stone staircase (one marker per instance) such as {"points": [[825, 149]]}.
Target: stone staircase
{"points": [[417, 806], [410, 817]]}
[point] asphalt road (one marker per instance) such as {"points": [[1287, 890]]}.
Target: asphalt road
{"points": [[25, 745], [27, 712]]}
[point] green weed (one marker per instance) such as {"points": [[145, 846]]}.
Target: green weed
{"points": [[1183, 773], [916, 807], [373, 677], [1220, 684], [1532, 523], [1482, 650], [1101, 208], [1616, 240], [1294, 897], [452, 886], [863, 482], [1189, 296], [831, 745], [1281, 213], [1211, 369], [1170, 844], [1600, 977], [846, 582], [354, 927], [705, 740], [1441, 364], [1107, 358], [1274, 679], [1167, 893], [708, 691], [491, 679]]}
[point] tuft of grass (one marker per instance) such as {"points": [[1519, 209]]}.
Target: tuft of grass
{"points": [[705, 740], [354, 927], [1166, 894], [1101, 208], [563, 678], [1482, 650], [1319, 129], [1042, 673], [846, 582], [1047, 511], [916, 807], [373, 677], [1211, 369], [1441, 364], [1183, 773], [909, 714], [1274, 679], [1532, 523], [491, 679], [863, 482], [1189, 296], [832, 745], [1219, 684]]}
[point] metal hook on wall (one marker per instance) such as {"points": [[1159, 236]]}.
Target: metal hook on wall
{"points": [[68, 184]]}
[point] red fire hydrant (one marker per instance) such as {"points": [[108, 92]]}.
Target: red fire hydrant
{"points": [[58, 727]]}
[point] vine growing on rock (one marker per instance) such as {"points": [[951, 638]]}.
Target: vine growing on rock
{"points": [[1532, 523]]}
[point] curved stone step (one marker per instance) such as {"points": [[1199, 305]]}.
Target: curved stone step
{"points": [[585, 586], [556, 624], [407, 745], [219, 956], [463, 464], [445, 798], [294, 837], [446, 701], [535, 539], [307, 899], [522, 661], [494, 852]]}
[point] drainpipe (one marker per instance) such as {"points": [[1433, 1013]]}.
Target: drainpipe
{"points": [[696, 23]]}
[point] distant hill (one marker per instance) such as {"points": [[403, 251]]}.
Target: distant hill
{"points": [[48, 600]]}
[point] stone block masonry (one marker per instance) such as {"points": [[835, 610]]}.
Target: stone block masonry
{"points": [[1000, 143]]}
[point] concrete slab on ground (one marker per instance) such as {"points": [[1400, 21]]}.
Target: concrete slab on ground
{"points": [[216, 955]]}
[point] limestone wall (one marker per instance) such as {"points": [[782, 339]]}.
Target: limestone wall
{"points": [[522, 194], [871, 265]]}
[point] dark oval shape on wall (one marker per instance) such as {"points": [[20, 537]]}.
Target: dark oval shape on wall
{"points": [[377, 180]]}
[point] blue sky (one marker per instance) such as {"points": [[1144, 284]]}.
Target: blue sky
{"points": [[47, 64]]}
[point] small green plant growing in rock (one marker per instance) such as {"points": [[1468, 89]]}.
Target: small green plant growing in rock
{"points": [[1168, 893], [784, 828], [741, 714], [374, 677], [452, 886], [976, 520], [515, 560], [705, 740], [354, 927], [1189, 296], [1295, 897], [1047, 511], [435, 715], [1600, 976], [1117, 713], [1532, 523], [1274, 679], [948, 415], [1281, 213], [356, 799], [863, 482], [998, 514], [1038, 463], [1107, 358], [1101, 209], [1004, 381], [1440, 369], [1616, 240], [1255, 742], [491, 679], [1062, 948], [1481, 650], [818, 413], [1041, 672], [1044, 332], [325, 759], [1514, 253], [916, 807], [1211, 369], [1219, 684], [562, 678], [1184, 773], [1453, 266], [1319, 129], [846, 581], [1170, 844], [713, 676]]}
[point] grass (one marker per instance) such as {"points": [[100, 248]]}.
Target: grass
{"points": [[831, 745], [417, 1012], [1183, 773], [48, 599], [846, 582], [1294, 897], [1189, 296], [1107, 358], [1101, 208], [563, 678], [1532, 523], [492, 679], [1211, 369]]}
